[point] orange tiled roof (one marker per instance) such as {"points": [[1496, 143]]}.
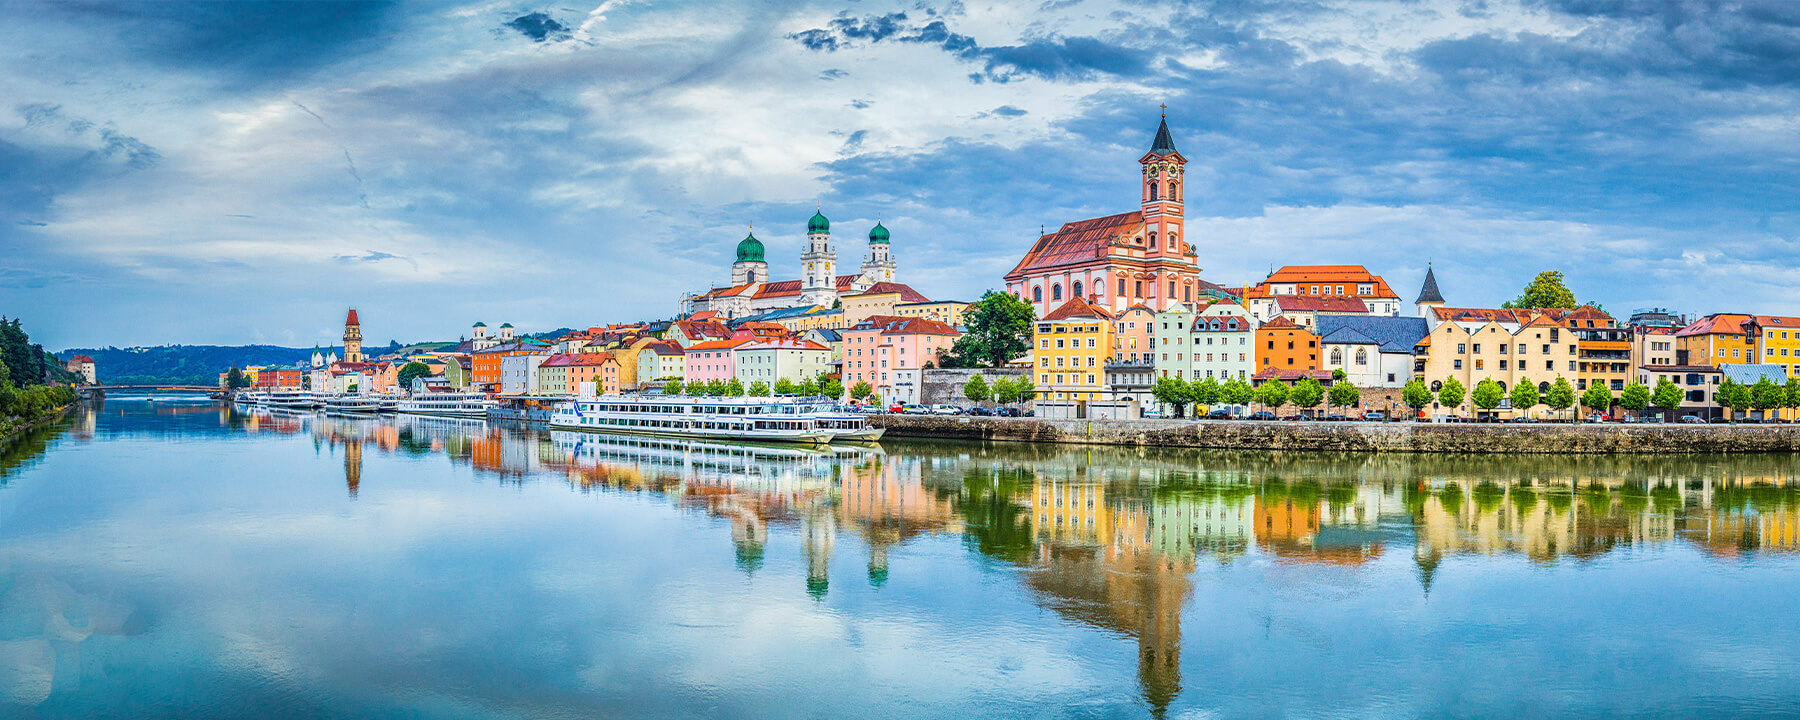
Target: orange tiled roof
{"points": [[907, 294], [1322, 274], [1321, 303], [785, 288], [718, 345], [1280, 323], [1078, 242], [917, 326], [1717, 324], [1078, 308]]}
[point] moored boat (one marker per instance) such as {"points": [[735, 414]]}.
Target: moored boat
{"points": [[352, 405], [752, 419], [454, 404]]}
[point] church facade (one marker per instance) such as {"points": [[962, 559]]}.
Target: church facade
{"points": [[752, 291], [1141, 257]]}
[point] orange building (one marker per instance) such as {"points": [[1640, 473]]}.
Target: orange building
{"points": [[485, 367], [1118, 261], [1283, 347], [602, 369], [1329, 281]]}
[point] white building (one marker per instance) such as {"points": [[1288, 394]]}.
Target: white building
{"points": [[771, 360], [1217, 342], [519, 373], [1372, 351]]}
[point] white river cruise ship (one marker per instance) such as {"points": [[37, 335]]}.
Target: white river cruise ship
{"points": [[755, 419], [455, 404]]}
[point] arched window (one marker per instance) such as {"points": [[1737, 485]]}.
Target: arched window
{"points": [[1543, 387], [1075, 290], [1121, 287], [1501, 384], [1175, 191], [1055, 292], [1037, 294], [1152, 241], [1337, 356], [1153, 187], [1174, 242], [750, 276]]}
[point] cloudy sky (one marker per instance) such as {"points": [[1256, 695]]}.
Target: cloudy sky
{"points": [[242, 172]]}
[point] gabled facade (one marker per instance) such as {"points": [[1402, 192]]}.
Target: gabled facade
{"points": [[1215, 342], [1344, 288], [1073, 343], [1471, 347], [1283, 348], [793, 360]]}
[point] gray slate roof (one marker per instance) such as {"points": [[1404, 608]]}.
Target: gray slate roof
{"points": [[1393, 334], [1749, 373], [1429, 292]]}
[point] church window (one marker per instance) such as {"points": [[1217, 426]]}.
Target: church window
{"points": [[1175, 191], [1075, 290], [1153, 188], [1121, 287], [1337, 356], [1187, 294], [1152, 241], [1037, 294], [750, 276], [1140, 288], [1055, 292], [1171, 288], [1362, 356]]}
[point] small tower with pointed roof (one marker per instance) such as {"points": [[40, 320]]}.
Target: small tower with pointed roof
{"points": [[1429, 297], [818, 263], [1163, 170], [879, 265], [352, 338], [750, 267]]}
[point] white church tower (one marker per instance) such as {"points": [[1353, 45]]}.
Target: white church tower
{"points": [[818, 264], [879, 265]]}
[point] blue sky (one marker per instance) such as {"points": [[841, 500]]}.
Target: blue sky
{"points": [[242, 172]]}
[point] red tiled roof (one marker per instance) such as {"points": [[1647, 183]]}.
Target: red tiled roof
{"points": [[917, 326], [1078, 242], [1280, 323], [703, 315], [787, 344], [1717, 324], [907, 294], [1321, 303], [1780, 321], [1078, 308], [351, 319], [718, 345], [81, 359], [563, 360], [784, 288], [593, 359], [1321, 274]]}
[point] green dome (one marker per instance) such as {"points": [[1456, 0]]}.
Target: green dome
{"points": [[750, 249], [878, 234], [818, 223]]}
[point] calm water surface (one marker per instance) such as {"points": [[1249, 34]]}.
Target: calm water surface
{"points": [[200, 562]]}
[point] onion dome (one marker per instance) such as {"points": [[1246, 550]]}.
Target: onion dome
{"points": [[505, 325], [750, 249], [878, 234], [479, 323], [818, 223]]}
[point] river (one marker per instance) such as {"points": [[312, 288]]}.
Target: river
{"points": [[199, 561]]}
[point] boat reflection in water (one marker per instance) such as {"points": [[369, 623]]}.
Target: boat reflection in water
{"points": [[1112, 538]]}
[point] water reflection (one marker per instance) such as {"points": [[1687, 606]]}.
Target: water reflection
{"points": [[1111, 538]]}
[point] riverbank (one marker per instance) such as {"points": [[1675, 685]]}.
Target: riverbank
{"points": [[1537, 439], [10, 429]]}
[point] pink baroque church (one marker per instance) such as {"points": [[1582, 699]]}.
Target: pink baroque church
{"points": [[1137, 258]]}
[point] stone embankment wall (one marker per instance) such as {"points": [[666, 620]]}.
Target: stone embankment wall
{"points": [[945, 385], [1356, 437]]}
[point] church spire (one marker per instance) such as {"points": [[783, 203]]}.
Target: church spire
{"points": [[1163, 145]]}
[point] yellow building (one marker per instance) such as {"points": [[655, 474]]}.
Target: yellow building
{"points": [[1072, 344], [1509, 346], [1717, 339], [948, 312], [1778, 342]]}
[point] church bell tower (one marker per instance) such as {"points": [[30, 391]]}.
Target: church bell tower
{"points": [[818, 264], [352, 338], [1162, 195]]}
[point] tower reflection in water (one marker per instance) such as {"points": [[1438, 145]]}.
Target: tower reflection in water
{"points": [[1111, 538]]}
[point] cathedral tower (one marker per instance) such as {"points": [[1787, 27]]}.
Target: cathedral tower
{"points": [[879, 266], [818, 263], [1162, 194], [750, 266], [352, 338]]}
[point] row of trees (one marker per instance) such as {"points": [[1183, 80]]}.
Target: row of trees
{"points": [[25, 363], [1005, 391], [1306, 393], [1637, 397], [30, 403], [825, 387]]}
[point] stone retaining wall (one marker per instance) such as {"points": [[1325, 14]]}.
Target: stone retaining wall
{"points": [[1356, 437]]}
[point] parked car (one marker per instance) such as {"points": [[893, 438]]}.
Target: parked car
{"points": [[1522, 420], [1261, 415], [979, 412], [1719, 420], [1774, 420], [1692, 420], [1335, 417], [1375, 416], [1597, 418], [896, 408], [1219, 415], [1152, 414], [945, 410], [1454, 419], [1008, 412], [916, 409]]}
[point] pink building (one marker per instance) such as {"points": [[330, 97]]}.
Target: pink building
{"points": [[1131, 336], [712, 360], [882, 344]]}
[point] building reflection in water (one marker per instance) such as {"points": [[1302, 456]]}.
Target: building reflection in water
{"points": [[1111, 538]]}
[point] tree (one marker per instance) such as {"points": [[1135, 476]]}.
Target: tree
{"points": [[1544, 291], [807, 388], [672, 387], [784, 386], [997, 329], [1237, 391], [1006, 392], [1668, 396], [1636, 398], [4, 375], [977, 390], [1732, 396], [1172, 392], [1026, 389], [1344, 394], [1451, 394], [235, 379], [715, 387], [1597, 397], [861, 390], [1338, 375], [411, 371], [1560, 396], [1416, 395], [1204, 393], [1273, 394], [758, 389], [1765, 395], [1488, 394], [735, 388], [696, 387], [1307, 393], [1793, 392], [1524, 396], [831, 387]]}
